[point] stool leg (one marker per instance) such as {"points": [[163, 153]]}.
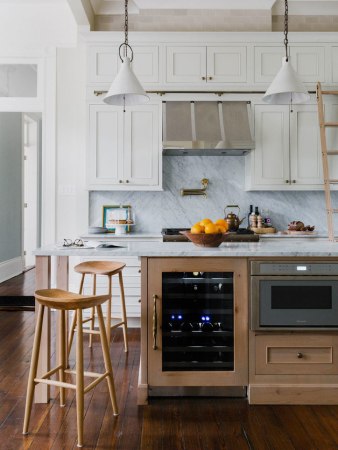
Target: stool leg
{"points": [[92, 314], [33, 369], [62, 355], [73, 325], [124, 313], [107, 361], [79, 379], [108, 320]]}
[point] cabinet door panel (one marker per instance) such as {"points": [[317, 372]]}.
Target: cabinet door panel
{"points": [[268, 61], [334, 60], [105, 144], [309, 63], [271, 155], [186, 64], [305, 150], [142, 145], [226, 64], [104, 63]]}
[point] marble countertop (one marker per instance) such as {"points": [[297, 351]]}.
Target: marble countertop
{"points": [[264, 248]]}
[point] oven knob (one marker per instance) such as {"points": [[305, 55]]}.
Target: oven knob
{"points": [[299, 355]]}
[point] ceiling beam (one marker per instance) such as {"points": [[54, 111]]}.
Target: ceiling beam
{"points": [[83, 14]]}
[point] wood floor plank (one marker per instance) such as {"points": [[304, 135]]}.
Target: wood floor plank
{"points": [[319, 437]]}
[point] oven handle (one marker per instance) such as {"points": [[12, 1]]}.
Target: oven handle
{"points": [[154, 322]]}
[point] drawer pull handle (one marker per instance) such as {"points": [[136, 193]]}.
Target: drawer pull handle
{"points": [[300, 355], [154, 322]]}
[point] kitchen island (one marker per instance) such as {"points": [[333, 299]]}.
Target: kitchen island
{"points": [[312, 379]]}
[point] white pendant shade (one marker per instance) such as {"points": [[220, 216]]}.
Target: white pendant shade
{"points": [[126, 89], [286, 88]]}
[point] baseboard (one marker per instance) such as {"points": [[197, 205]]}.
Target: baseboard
{"points": [[292, 394], [11, 268]]}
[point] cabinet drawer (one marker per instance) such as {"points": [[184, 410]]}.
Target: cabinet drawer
{"points": [[296, 354]]}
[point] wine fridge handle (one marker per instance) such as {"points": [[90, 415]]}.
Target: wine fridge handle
{"points": [[154, 322]]}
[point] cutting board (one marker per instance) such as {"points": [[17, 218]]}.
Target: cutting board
{"points": [[233, 237]]}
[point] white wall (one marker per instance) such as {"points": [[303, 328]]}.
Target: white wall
{"points": [[36, 25], [72, 197]]}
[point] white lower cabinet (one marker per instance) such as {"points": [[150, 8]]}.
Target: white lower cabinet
{"points": [[287, 155], [125, 148]]}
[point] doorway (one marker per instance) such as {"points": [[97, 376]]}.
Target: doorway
{"points": [[31, 186]]}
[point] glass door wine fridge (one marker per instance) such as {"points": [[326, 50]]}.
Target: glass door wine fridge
{"points": [[197, 322]]}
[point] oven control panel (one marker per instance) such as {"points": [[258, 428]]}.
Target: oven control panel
{"points": [[294, 268]]}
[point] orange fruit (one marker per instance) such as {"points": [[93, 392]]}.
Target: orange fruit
{"points": [[205, 222], [196, 229], [222, 222], [221, 229], [211, 228]]}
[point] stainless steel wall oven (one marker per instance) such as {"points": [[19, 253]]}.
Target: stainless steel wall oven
{"points": [[294, 295]]}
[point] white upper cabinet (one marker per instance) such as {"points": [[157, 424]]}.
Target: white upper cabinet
{"points": [[308, 62], [288, 153], [270, 158], [305, 150], [334, 59], [201, 64], [104, 61], [124, 151]]}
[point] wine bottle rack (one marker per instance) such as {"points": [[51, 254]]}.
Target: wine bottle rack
{"points": [[197, 321]]}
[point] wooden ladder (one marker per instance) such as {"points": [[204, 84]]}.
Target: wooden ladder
{"points": [[325, 152]]}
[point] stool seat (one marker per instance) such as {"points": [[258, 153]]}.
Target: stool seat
{"points": [[99, 267], [60, 299]]}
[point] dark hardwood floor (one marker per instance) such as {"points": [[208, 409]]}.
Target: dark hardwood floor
{"points": [[167, 424], [21, 285]]}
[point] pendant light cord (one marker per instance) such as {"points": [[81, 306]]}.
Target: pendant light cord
{"points": [[286, 29], [125, 27]]}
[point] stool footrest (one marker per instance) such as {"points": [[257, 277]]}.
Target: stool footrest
{"points": [[55, 383], [86, 374], [95, 382], [51, 372]]}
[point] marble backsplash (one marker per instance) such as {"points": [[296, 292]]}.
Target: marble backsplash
{"points": [[156, 210]]}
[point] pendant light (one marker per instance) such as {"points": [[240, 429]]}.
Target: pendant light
{"points": [[286, 88], [126, 90]]}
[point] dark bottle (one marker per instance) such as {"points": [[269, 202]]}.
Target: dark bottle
{"points": [[196, 326], [256, 211], [216, 326], [207, 326], [250, 211], [186, 326]]}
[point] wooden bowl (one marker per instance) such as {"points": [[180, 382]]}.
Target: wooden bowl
{"points": [[204, 239]]}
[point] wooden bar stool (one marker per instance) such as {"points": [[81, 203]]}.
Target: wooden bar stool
{"points": [[65, 301], [109, 269]]}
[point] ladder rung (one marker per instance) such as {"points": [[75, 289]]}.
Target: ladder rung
{"points": [[332, 181], [332, 152], [333, 210], [330, 92], [330, 124]]}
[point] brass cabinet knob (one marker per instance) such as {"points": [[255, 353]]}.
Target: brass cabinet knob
{"points": [[204, 78], [287, 181], [120, 181], [300, 355], [294, 181], [209, 78], [127, 181]]}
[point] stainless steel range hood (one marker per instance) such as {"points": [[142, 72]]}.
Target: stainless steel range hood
{"points": [[207, 128]]}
